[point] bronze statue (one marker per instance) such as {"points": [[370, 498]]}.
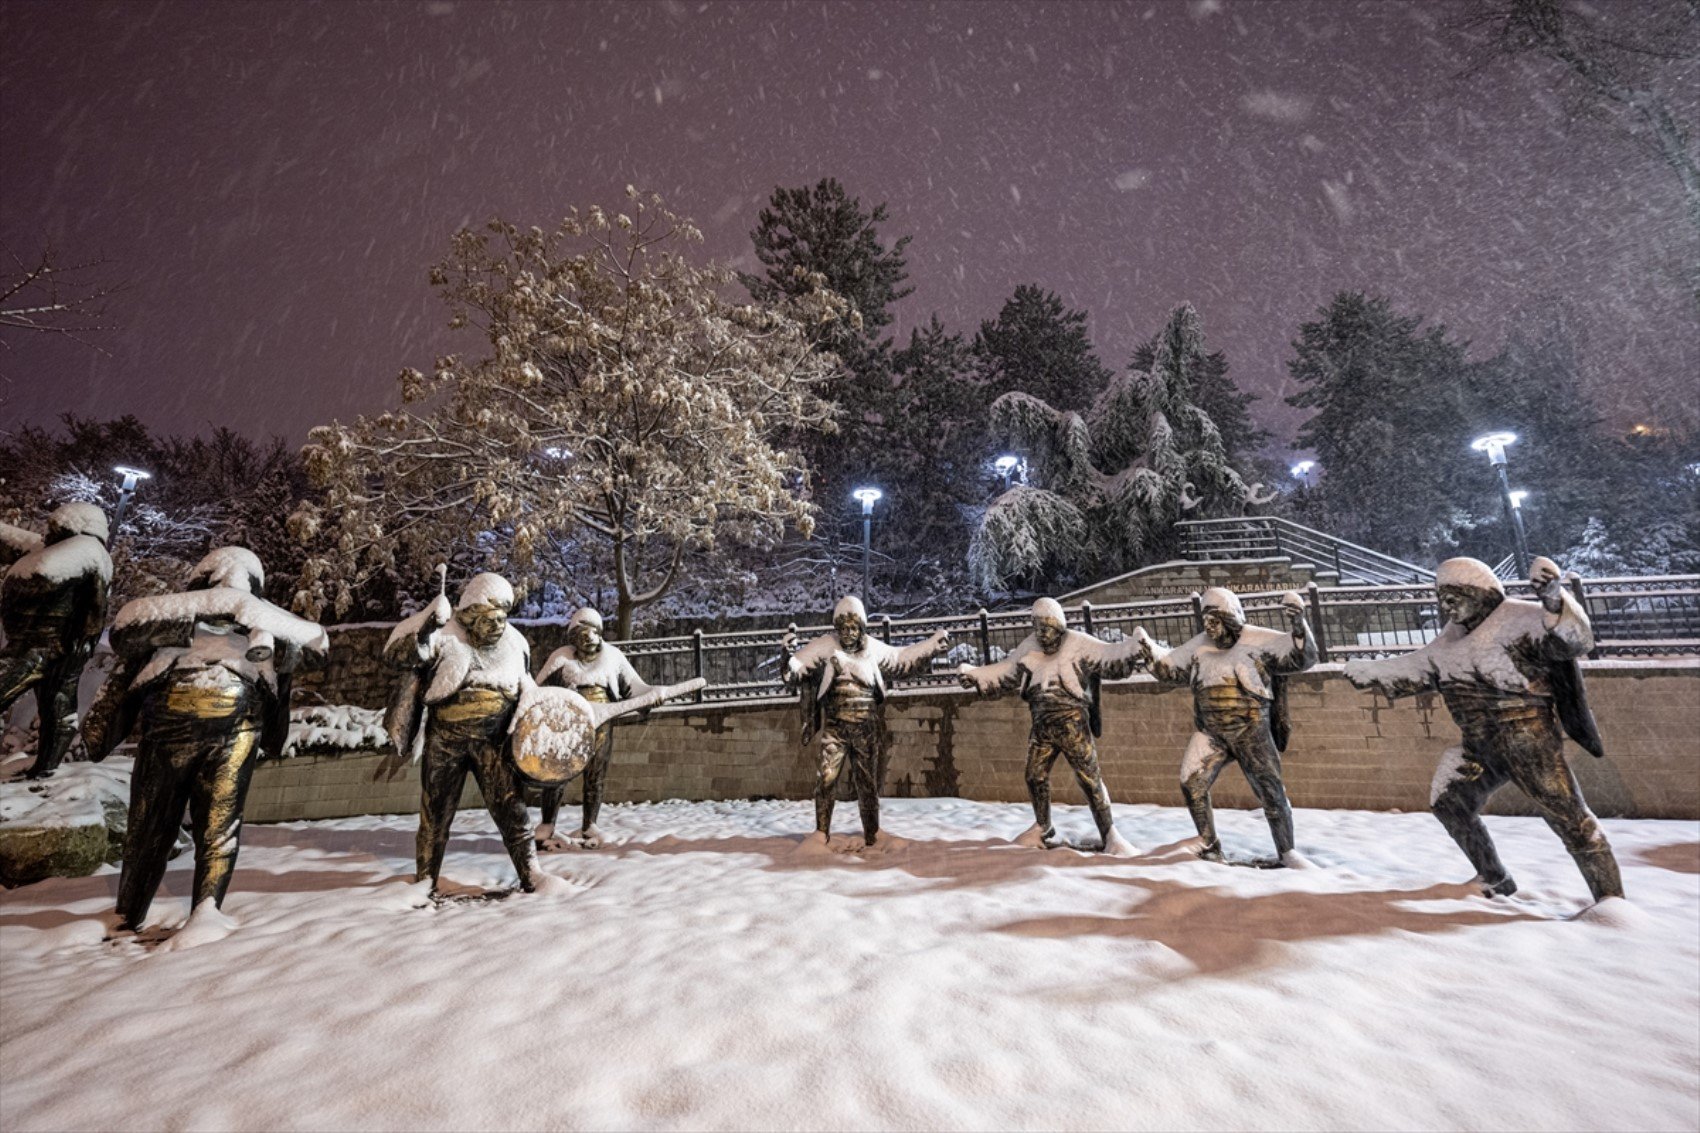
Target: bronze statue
{"points": [[1507, 670], [466, 670], [1058, 671], [1239, 708], [600, 673], [53, 608], [845, 707], [207, 674]]}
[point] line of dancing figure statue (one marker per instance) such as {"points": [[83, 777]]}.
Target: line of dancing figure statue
{"points": [[202, 678]]}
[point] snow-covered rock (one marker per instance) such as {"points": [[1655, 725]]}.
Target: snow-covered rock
{"points": [[67, 825]]}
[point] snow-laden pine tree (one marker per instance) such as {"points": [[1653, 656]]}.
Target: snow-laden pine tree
{"points": [[1105, 489]]}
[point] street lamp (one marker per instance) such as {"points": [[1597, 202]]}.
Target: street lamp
{"points": [[132, 477], [1302, 470], [1494, 445], [1006, 466], [867, 496]]}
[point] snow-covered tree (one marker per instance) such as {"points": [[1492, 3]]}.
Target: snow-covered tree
{"points": [[1041, 348], [623, 395], [1109, 486]]}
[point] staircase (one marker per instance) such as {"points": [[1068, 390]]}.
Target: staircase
{"points": [[1264, 536]]}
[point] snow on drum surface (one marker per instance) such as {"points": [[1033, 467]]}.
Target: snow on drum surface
{"points": [[704, 974]]}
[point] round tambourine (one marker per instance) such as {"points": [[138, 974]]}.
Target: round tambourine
{"points": [[554, 729]]}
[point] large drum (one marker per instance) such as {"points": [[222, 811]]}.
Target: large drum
{"points": [[554, 729]]}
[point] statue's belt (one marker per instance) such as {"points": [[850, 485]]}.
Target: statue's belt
{"points": [[202, 702], [472, 704]]}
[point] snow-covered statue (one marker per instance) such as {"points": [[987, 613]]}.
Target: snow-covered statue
{"points": [[844, 706], [53, 608], [600, 673], [1508, 673], [206, 673], [1057, 671], [1239, 707], [466, 671]]}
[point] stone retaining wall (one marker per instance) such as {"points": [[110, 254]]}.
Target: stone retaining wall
{"points": [[1350, 749]]}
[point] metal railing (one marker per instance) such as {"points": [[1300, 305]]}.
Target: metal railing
{"points": [[1264, 536], [1632, 617]]}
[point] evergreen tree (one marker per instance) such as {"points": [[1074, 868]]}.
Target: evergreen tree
{"points": [[1109, 486], [1392, 426], [1038, 346], [1218, 396]]}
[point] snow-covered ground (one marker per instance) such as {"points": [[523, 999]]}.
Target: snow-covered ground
{"points": [[705, 973]]}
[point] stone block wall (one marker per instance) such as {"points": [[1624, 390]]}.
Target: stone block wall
{"points": [[1350, 749]]}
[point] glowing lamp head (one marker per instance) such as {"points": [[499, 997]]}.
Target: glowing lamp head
{"points": [[867, 496], [1302, 469], [1518, 496], [131, 475], [1494, 445], [1006, 463]]}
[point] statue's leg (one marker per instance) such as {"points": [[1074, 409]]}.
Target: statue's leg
{"points": [[1462, 784], [1261, 763], [157, 795], [56, 708], [1203, 762], [826, 786], [1082, 755], [505, 801], [865, 759], [1041, 757], [440, 782], [1539, 768], [19, 673], [595, 775], [549, 802], [216, 795]]}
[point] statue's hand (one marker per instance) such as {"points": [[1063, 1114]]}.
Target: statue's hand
{"points": [[940, 640], [1547, 581], [1294, 603], [441, 611], [788, 643]]}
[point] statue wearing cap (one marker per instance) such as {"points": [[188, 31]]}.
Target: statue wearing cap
{"points": [[1058, 671], [1239, 707], [600, 673], [845, 705], [206, 673], [1507, 670], [53, 608], [466, 671]]}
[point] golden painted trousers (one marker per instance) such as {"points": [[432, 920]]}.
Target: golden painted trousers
{"points": [[198, 749], [468, 733]]}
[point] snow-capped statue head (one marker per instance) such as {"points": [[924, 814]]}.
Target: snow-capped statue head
{"points": [[584, 633], [235, 567], [76, 519], [482, 609], [850, 619], [1050, 624], [1467, 591], [1224, 617]]}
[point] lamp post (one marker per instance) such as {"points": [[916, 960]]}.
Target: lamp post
{"points": [[1006, 466], [126, 492], [1494, 444], [867, 496]]}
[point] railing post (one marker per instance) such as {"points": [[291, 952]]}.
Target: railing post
{"points": [[885, 628], [1197, 612], [1275, 526], [1339, 575], [1316, 621], [1581, 596], [1086, 616], [697, 658], [985, 637]]}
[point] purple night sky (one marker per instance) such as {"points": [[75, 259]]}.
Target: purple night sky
{"points": [[274, 179]]}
